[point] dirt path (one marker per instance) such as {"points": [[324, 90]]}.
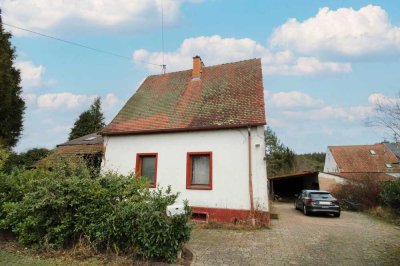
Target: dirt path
{"points": [[295, 239]]}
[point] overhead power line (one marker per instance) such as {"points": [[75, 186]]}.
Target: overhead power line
{"points": [[164, 66], [80, 45]]}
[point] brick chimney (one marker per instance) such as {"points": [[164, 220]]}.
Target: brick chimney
{"points": [[197, 67]]}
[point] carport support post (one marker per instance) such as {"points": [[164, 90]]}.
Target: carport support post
{"points": [[253, 221]]}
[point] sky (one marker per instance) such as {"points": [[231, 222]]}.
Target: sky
{"points": [[325, 63]]}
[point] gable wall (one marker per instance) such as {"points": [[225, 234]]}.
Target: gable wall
{"points": [[330, 165], [230, 164]]}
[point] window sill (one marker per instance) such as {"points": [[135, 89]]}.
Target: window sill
{"points": [[199, 187]]}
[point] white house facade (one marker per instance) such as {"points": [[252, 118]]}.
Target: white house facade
{"points": [[228, 149], [200, 132]]}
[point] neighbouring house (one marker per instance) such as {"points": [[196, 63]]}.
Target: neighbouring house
{"points": [[88, 148], [344, 163], [200, 131]]}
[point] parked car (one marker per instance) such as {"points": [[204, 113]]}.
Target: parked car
{"points": [[317, 201]]}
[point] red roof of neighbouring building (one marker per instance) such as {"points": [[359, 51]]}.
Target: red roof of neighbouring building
{"points": [[377, 158], [226, 96]]}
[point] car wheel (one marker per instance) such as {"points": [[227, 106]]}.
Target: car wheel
{"points": [[305, 210], [336, 214]]}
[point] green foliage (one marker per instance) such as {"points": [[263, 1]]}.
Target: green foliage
{"points": [[54, 209], [310, 162], [12, 106], [26, 159], [90, 121], [391, 195], [280, 159], [161, 235], [4, 155]]}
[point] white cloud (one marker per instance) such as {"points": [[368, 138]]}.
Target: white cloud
{"points": [[66, 99], [345, 31], [293, 99], [109, 101], [31, 75], [59, 129], [216, 50], [330, 112], [379, 98], [29, 98], [120, 15]]}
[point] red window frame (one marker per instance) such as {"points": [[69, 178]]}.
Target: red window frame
{"points": [[138, 169], [189, 171]]}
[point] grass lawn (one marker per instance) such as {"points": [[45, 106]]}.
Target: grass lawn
{"points": [[21, 259]]}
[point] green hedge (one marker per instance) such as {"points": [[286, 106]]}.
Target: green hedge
{"points": [[391, 195], [53, 209]]}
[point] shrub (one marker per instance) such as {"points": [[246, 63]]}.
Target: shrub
{"points": [[159, 235], [54, 209], [4, 154], [364, 192], [391, 195], [13, 187]]}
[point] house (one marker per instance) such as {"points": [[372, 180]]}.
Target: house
{"points": [[344, 163], [88, 148], [200, 131]]}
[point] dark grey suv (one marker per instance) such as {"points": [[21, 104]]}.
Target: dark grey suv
{"points": [[317, 201]]}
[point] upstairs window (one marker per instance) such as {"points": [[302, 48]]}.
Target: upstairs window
{"points": [[146, 166], [199, 170]]}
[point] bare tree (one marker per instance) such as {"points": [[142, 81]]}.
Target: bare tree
{"points": [[387, 116]]}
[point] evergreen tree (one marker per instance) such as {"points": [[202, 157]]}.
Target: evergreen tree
{"points": [[12, 106], [90, 121], [280, 159]]}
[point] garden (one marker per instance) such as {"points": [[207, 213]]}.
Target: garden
{"points": [[67, 208]]}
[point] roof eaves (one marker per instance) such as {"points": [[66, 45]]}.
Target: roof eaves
{"points": [[105, 133]]}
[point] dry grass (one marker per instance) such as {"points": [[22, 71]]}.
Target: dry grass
{"points": [[385, 214], [82, 254]]}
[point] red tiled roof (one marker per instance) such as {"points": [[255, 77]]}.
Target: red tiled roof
{"points": [[359, 176], [227, 96], [358, 159]]}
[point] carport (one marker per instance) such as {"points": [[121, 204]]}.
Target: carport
{"points": [[285, 186]]}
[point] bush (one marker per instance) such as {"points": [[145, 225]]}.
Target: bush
{"points": [[4, 155], [391, 195], [54, 209], [364, 192]]}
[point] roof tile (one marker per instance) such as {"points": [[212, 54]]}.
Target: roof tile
{"points": [[227, 96]]}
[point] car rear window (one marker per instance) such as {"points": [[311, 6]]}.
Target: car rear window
{"points": [[318, 195]]}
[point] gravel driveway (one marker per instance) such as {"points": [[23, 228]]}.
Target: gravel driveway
{"points": [[295, 239]]}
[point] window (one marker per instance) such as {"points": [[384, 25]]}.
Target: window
{"points": [[388, 165], [146, 166], [199, 170], [372, 152]]}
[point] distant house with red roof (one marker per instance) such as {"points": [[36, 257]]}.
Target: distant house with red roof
{"points": [[200, 131], [355, 162]]}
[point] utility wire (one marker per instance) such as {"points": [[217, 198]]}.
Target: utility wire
{"points": [[164, 67], [80, 45]]}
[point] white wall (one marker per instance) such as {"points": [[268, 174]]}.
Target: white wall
{"points": [[329, 182], [230, 164], [330, 165]]}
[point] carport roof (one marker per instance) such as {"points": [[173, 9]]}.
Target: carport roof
{"points": [[302, 174]]}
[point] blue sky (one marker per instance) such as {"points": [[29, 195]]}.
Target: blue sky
{"points": [[325, 63]]}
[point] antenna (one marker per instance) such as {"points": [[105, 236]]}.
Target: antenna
{"points": [[164, 66]]}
